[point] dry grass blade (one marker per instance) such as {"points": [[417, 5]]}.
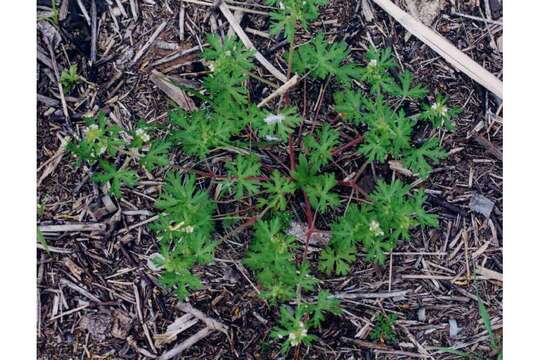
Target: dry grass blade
{"points": [[444, 48]]}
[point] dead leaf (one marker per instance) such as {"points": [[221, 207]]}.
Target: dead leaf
{"points": [[121, 324], [97, 325], [424, 10]]}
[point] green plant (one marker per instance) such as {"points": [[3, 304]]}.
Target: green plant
{"points": [[243, 176], [291, 13], [383, 330], [271, 257], [277, 188], [378, 226], [184, 231], [321, 59], [54, 16], [116, 177], [69, 78], [274, 156], [103, 143]]}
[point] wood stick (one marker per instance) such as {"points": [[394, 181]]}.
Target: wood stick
{"points": [[210, 323], [80, 290], [381, 295], [246, 10], [444, 48], [248, 44], [281, 90], [178, 349], [149, 42], [72, 227], [93, 45]]}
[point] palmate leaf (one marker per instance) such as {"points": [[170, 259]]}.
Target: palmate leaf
{"points": [[319, 192], [416, 159], [231, 56], [291, 13], [157, 156], [337, 260], [242, 176], [198, 133], [348, 104], [405, 89], [439, 113], [376, 71], [326, 303], [323, 59], [278, 188], [320, 151], [116, 177]]}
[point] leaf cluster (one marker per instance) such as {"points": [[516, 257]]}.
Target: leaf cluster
{"points": [[184, 230], [383, 330], [69, 78], [322, 59], [103, 143], [291, 13], [378, 226], [271, 257]]}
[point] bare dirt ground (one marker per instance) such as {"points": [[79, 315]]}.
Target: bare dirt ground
{"points": [[97, 297]]}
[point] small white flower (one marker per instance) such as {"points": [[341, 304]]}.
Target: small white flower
{"points": [[373, 63], [273, 119], [440, 109], [295, 337], [92, 127], [375, 228], [188, 229], [91, 132], [292, 338], [142, 134]]}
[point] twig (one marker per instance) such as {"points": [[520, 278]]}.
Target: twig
{"points": [[248, 44], [172, 91], [80, 290], [478, 18], [281, 90], [210, 323], [84, 12], [60, 87], [248, 11], [182, 20], [149, 42], [178, 349], [72, 227], [93, 46], [380, 295], [133, 7]]}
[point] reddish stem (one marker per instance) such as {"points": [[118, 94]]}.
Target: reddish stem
{"points": [[310, 222], [351, 143]]}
